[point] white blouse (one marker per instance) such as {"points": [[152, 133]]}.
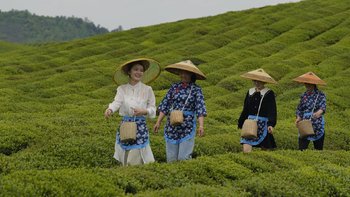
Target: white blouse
{"points": [[130, 96]]}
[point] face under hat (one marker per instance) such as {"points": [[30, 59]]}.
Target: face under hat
{"points": [[151, 70]]}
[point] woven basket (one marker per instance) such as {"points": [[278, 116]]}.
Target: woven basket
{"points": [[305, 128], [250, 129], [176, 118], [128, 131]]}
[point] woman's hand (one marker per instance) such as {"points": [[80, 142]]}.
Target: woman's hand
{"points": [[108, 113], [317, 114], [270, 129], [201, 128], [159, 121], [297, 120], [200, 131], [156, 127], [139, 111]]}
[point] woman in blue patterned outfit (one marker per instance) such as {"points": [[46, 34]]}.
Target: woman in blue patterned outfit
{"points": [[135, 101], [259, 104], [180, 139], [312, 105]]}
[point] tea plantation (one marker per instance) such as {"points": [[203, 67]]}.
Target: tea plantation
{"points": [[54, 140]]}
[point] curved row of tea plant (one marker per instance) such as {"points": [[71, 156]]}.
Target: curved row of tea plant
{"points": [[279, 173], [53, 97]]}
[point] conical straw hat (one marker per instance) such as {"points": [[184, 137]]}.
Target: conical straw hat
{"points": [[187, 66], [310, 78], [259, 75], [151, 72]]}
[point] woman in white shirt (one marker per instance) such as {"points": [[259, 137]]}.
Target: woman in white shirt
{"points": [[135, 101]]}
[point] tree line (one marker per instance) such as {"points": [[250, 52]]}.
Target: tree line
{"points": [[25, 27]]}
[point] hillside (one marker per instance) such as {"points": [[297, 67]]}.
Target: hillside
{"points": [[8, 46], [24, 27], [55, 140]]}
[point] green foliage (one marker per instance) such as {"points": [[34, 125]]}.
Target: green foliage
{"points": [[259, 173], [24, 27], [233, 83], [54, 139], [6, 46], [14, 140], [195, 190]]}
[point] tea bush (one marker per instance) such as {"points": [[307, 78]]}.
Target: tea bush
{"points": [[55, 140]]}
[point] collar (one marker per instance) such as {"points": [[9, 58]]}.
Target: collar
{"points": [[262, 92], [185, 85], [136, 85], [311, 92]]}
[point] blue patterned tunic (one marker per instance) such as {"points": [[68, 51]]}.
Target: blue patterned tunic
{"points": [[195, 107], [304, 110]]}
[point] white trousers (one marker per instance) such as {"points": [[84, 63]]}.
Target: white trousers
{"points": [[133, 156]]}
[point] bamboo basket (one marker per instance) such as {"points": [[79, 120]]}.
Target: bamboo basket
{"points": [[128, 131], [176, 117], [250, 129], [305, 128]]}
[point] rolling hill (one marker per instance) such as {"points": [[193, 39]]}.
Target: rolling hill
{"points": [[55, 140]]}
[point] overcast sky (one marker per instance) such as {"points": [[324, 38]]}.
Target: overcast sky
{"points": [[133, 13]]}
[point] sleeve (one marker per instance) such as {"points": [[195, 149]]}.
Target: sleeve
{"points": [[244, 113], [299, 111], [167, 101], [151, 104], [200, 108], [272, 114], [322, 103], [118, 100]]}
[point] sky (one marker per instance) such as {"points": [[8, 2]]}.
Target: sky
{"points": [[133, 13]]}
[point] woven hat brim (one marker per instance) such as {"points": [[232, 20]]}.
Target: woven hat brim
{"points": [[310, 81], [151, 73], [125, 67], [176, 68], [259, 78]]}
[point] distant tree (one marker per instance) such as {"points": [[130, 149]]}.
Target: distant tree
{"points": [[120, 28], [24, 27]]}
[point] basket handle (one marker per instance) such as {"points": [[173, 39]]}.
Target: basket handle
{"points": [[257, 115], [314, 106], [189, 95]]}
